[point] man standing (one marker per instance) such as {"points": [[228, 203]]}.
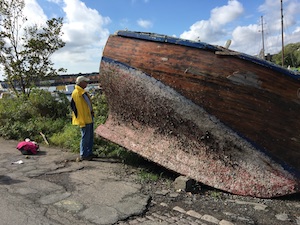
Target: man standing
{"points": [[82, 115]]}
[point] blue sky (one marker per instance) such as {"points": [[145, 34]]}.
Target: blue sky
{"points": [[88, 23]]}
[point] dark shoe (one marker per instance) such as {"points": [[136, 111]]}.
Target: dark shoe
{"points": [[87, 158], [93, 155]]}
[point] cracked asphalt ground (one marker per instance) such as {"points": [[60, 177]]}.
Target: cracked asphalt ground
{"points": [[52, 188]]}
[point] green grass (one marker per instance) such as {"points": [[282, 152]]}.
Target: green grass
{"points": [[145, 176]]}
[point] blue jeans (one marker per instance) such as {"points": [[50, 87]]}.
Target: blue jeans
{"points": [[87, 140]]}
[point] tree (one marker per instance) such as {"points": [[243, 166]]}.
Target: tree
{"points": [[26, 50], [291, 55]]}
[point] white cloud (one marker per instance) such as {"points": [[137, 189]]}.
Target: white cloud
{"points": [[134, 1], [297, 30], [35, 16], [55, 1], [226, 14], [249, 38], [34, 13], [213, 29], [84, 31], [294, 37], [144, 23], [272, 13], [85, 35], [83, 26]]}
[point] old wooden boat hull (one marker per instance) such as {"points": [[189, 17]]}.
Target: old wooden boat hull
{"points": [[223, 118]]}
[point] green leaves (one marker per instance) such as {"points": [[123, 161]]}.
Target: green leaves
{"points": [[291, 56], [25, 51], [26, 117]]}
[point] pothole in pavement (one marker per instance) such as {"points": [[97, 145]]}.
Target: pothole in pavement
{"points": [[62, 179]]}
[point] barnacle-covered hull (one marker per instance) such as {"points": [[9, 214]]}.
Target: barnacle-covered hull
{"points": [[223, 118]]}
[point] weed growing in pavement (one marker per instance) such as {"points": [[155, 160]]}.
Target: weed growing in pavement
{"points": [[145, 176], [215, 194], [68, 137]]}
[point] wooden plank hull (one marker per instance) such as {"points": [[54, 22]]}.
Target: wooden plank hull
{"points": [[223, 118]]}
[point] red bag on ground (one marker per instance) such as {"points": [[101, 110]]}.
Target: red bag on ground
{"points": [[28, 147]]}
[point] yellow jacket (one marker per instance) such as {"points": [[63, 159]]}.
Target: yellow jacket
{"points": [[81, 112]]}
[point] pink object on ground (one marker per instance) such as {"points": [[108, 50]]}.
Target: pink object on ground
{"points": [[28, 146]]}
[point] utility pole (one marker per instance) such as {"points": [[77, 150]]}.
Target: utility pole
{"points": [[282, 42], [263, 38]]}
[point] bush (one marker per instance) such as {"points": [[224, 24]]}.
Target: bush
{"points": [[50, 115], [100, 108], [26, 117], [48, 105], [68, 138]]}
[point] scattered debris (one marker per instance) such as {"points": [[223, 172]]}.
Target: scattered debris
{"points": [[18, 162]]}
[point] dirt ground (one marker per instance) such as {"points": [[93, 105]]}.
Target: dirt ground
{"points": [[240, 210], [221, 205]]}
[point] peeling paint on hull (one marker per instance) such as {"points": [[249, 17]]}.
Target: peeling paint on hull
{"points": [[150, 116]]}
